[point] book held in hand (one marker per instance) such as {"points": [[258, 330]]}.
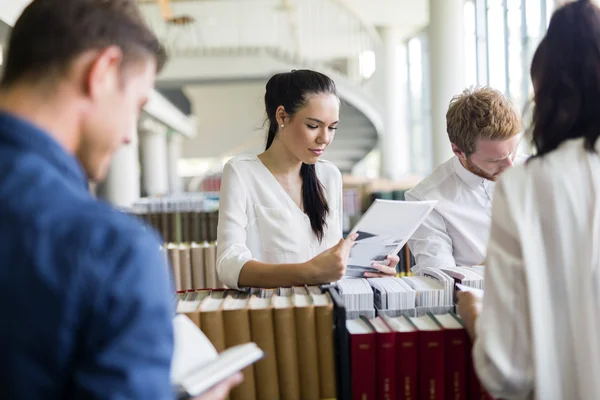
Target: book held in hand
{"points": [[196, 365], [383, 230]]}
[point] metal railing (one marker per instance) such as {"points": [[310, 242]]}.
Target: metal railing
{"points": [[323, 34]]}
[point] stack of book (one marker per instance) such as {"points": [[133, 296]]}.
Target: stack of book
{"points": [[427, 357], [293, 326], [409, 295], [194, 265], [358, 297], [393, 297]]}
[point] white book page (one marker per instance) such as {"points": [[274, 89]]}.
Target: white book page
{"points": [[192, 348], [384, 229]]}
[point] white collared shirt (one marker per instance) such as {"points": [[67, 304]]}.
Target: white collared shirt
{"points": [[258, 220], [456, 232], [537, 334]]}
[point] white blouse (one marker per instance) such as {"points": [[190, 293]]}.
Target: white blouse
{"points": [[259, 221], [537, 334]]}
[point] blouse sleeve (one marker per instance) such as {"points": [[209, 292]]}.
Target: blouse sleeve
{"points": [[232, 251], [502, 348]]}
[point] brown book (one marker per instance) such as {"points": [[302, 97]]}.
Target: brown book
{"points": [[211, 319], [306, 343], [185, 267], [285, 347], [175, 226], [197, 260], [213, 220], [236, 322], [174, 260], [325, 344], [210, 266], [186, 227], [203, 222], [263, 334]]}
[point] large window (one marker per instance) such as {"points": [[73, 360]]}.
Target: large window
{"points": [[419, 111], [500, 37]]}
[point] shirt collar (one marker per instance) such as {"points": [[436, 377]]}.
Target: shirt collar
{"points": [[25, 135], [467, 176]]}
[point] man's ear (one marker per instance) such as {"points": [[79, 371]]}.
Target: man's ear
{"points": [[103, 71], [458, 152]]}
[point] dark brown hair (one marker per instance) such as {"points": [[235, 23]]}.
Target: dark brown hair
{"points": [[481, 113], [290, 90], [565, 72], [50, 34]]}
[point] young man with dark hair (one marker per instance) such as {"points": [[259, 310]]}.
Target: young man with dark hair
{"points": [[84, 293], [483, 127]]}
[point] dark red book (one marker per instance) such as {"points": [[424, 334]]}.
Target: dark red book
{"points": [[431, 358], [363, 359], [476, 390], [407, 358], [456, 356], [386, 359]]}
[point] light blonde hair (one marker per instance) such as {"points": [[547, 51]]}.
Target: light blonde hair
{"points": [[481, 113]]}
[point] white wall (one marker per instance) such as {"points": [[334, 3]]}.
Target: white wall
{"points": [[229, 117]]}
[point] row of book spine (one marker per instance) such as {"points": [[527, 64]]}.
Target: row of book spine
{"points": [[427, 362], [193, 265], [183, 226], [294, 327]]}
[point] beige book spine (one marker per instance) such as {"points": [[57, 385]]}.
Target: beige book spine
{"points": [[308, 358], [213, 327], [197, 260], [210, 266], [287, 355], [265, 371], [237, 331], [325, 342], [174, 259], [185, 266]]}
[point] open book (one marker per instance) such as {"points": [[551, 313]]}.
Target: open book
{"points": [[383, 230], [196, 365]]}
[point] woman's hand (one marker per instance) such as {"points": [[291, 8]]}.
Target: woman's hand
{"points": [[330, 265], [386, 270]]}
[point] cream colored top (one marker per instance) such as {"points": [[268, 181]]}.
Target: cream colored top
{"points": [[537, 334], [259, 221]]}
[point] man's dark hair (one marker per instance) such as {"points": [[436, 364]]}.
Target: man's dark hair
{"points": [[50, 34]]}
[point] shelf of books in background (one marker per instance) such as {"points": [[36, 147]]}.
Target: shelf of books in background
{"points": [[188, 226]]}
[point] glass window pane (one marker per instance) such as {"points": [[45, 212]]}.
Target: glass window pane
{"points": [[496, 55], [515, 52], [549, 10], [470, 44]]}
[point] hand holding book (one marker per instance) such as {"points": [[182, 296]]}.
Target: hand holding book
{"points": [[330, 265], [469, 307], [386, 268]]}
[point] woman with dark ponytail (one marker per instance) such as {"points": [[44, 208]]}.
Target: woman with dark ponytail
{"points": [[536, 331], [280, 213]]}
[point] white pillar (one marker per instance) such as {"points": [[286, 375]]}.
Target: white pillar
{"points": [[153, 156], [447, 66], [392, 80], [121, 187], [173, 156]]}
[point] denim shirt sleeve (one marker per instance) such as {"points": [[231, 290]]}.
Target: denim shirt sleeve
{"points": [[128, 342]]}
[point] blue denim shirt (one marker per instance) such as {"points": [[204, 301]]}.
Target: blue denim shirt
{"points": [[85, 298]]}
